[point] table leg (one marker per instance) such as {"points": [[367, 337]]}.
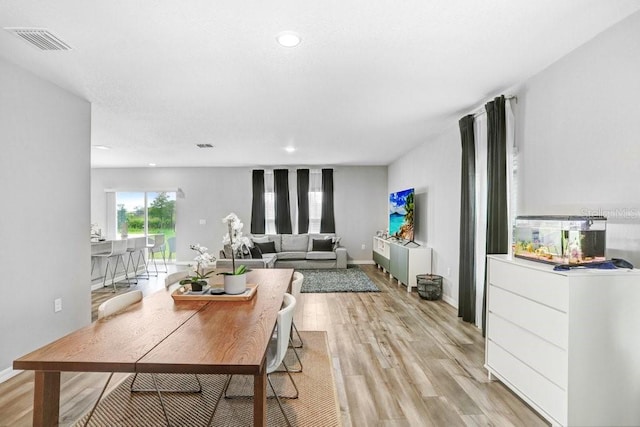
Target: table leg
{"points": [[46, 398], [260, 399]]}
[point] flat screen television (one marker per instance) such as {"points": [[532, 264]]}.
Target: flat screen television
{"points": [[401, 214]]}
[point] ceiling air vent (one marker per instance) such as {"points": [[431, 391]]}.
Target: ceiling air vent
{"points": [[39, 37], [204, 145]]}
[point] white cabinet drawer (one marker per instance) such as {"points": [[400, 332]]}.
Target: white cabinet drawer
{"points": [[547, 359], [528, 383], [540, 320], [547, 287]]}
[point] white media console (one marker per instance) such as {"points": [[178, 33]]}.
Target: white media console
{"points": [[402, 262]]}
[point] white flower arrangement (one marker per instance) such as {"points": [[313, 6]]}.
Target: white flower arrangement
{"points": [[235, 240], [203, 259]]}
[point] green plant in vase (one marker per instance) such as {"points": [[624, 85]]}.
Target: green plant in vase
{"points": [[198, 279]]}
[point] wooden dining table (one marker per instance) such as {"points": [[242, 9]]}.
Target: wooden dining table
{"points": [[160, 335]]}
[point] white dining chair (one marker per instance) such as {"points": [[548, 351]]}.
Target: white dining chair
{"points": [[118, 249], [172, 278], [113, 306], [107, 308], [296, 288], [275, 355]]}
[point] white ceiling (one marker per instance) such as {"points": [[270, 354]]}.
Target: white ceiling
{"points": [[371, 79]]}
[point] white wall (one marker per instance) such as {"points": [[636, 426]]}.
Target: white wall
{"points": [[578, 133], [433, 169], [211, 193], [578, 130], [45, 251]]}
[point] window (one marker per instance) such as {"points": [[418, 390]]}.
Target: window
{"points": [[315, 200], [269, 204], [143, 213]]}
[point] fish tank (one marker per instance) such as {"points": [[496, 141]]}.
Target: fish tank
{"points": [[560, 239]]}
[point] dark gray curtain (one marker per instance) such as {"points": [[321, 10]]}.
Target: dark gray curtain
{"points": [[281, 190], [327, 220], [257, 204], [497, 213], [467, 265], [303, 200]]}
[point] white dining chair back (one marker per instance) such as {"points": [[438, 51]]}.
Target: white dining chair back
{"points": [[285, 317], [118, 303], [172, 278], [296, 288], [296, 284]]}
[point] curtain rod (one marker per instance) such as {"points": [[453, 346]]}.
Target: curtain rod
{"points": [[481, 110]]}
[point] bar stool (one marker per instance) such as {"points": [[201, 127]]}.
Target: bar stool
{"points": [[136, 244], [156, 246], [118, 249]]}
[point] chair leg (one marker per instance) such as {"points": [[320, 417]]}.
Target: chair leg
{"points": [[223, 391], [141, 255], [165, 390], [126, 271], [106, 272], [278, 400], [135, 270], [98, 401], [298, 334], [293, 347], [164, 411], [292, 382]]}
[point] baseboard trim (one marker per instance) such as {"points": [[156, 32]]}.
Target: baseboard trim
{"points": [[8, 373], [450, 301], [360, 261]]}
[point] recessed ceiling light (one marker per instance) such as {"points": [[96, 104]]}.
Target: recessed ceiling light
{"points": [[288, 39], [101, 147], [289, 149], [152, 164]]}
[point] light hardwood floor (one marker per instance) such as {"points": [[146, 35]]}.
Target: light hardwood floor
{"points": [[398, 361]]}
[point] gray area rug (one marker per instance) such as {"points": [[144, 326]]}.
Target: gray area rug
{"points": [[350, 279]]}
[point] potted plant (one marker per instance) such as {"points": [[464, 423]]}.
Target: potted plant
{"points": [[235, 281], [198, 279]]}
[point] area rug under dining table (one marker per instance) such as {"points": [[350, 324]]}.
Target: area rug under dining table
{"points": [[316, 406], [351, 279]]}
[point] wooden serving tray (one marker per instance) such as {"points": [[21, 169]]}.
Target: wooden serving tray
{"points": [[182, 294]]}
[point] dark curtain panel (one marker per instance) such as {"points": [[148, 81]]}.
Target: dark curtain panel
{"points": [[281, 190], [467, 287], [327, 220], [303, 201], [257, 205], [497, 213]]}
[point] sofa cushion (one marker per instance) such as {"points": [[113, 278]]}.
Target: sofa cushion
{"points": [[292, 255], [266, 248], [295, 243], [262, 238], [322, 245], [256, 253], [321, 255], [318, 236]]}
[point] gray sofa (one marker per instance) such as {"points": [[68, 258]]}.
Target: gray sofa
{"points": [[292, 251]]}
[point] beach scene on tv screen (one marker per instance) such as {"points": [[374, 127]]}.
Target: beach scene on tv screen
{"points": [[401, 209]]}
